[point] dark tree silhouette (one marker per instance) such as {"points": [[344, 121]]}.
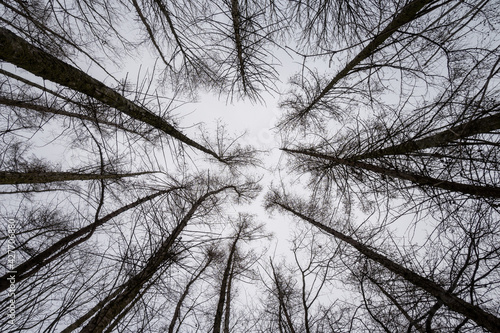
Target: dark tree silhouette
{"points": [[121, 216], [475, 313]]}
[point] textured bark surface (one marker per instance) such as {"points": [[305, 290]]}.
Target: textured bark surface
{"points": [[33, 265], [16, 178], [478, 315], [133, 286], [18, 52], [477, 190]]}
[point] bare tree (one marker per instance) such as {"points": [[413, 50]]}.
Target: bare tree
{"points": [[211, 255], [404, 50], [22, 54], [15, 178], [237, 262], [284, 292], [317, 98], [53, 252], [392, 115], [132, 288], [475, 313], [296, 289], [420, 180]]}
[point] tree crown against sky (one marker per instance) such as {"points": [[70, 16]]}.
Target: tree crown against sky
{"points": [[137, 210]]}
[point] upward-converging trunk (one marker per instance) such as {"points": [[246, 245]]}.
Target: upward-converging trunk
{"points": [[132, 288], [224, 288], [166, 14], [79, 322], [281, 300], [420, 180], [56, 250], [18, 52], [44, 109], [227, 312], [461, 131], [236, 17], [180, 302], [454, 303], [16, 178], [150, 32], [407, 14]]}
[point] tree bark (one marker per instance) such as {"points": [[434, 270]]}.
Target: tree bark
{"points": [[92, 311], [224, 284], [51, 110], [281, 300], [134, 285], [33, 265], [407, 14], [16, 178], [236, 18], [227, 312], [464, 130], [150, 32], [18, 52], [476, 190], [454, 303]]}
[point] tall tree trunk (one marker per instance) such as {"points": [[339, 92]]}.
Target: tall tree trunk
{"points": [[18, 52], [280, 320], [117, 320], [16, 178], [134, 285], [51, 110], [464, 130], [407, 14], [238, 43], [166, 13], [227, 312], [424, 181], [281, 300], [224, 283], [304, 301], [79, 322], [34, 264], [180, 302], [454, 303], [150, 33]]}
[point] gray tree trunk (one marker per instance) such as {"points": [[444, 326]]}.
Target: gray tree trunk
{"points": [[423, 181], [16, 178], [407, 14], [34, 264], [134, 285], [224, 285], [464, 130], [475, 313], [18, 52]]}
